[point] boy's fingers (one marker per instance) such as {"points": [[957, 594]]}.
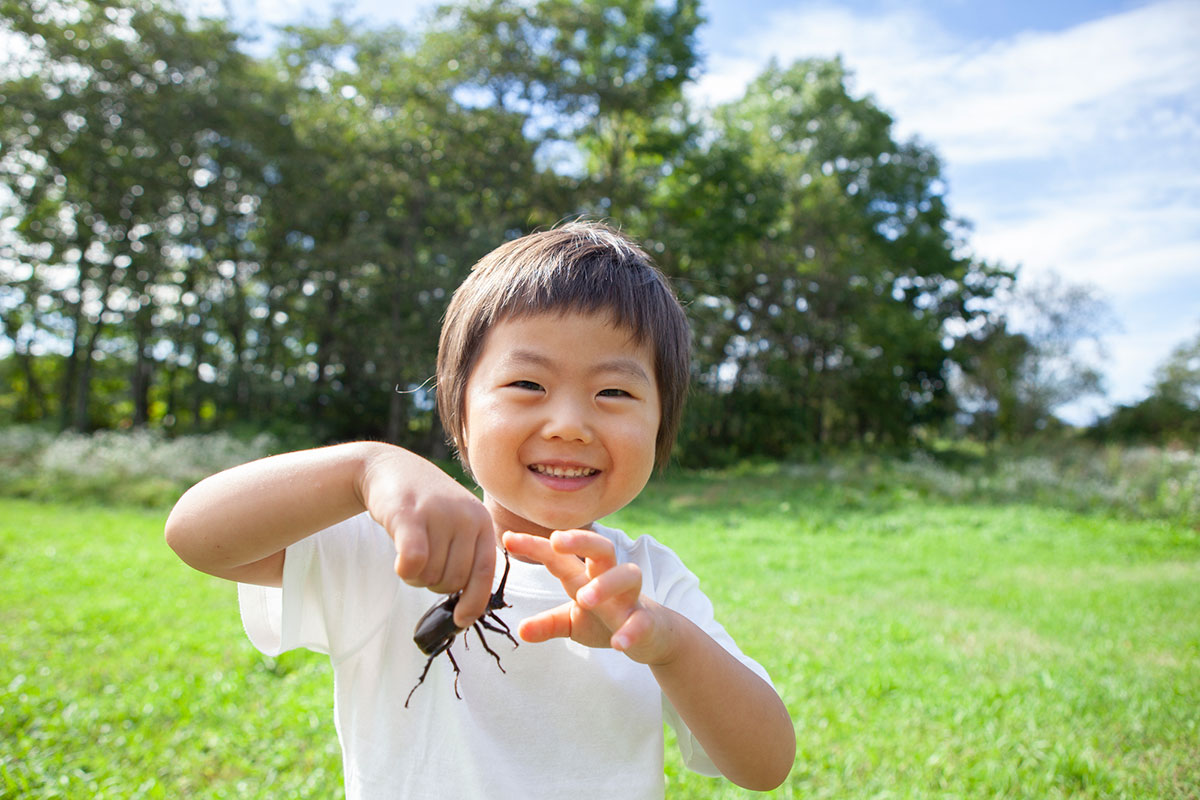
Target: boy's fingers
{"points": [[623, 578], [412, 552], [636, 627], [585, 544], [613, 596], [478, 590], [456, 567], [433, 576], [643, 637], [450, 565], [527, 546], [568, 569], [552, 624]]}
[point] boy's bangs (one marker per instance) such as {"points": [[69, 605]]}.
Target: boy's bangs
{"points": [[633, 297]]}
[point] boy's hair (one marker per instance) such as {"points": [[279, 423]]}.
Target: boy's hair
{"points": [[580, 267]]}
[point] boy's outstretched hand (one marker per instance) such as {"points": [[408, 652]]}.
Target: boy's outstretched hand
{"points": [[607, 607], [737, 717]]}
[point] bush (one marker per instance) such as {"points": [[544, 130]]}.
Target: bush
{"points": [[1141, 482], [141, 468]]}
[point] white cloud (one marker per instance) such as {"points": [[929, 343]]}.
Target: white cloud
{"points": [[1045, 94], [872, 45], [1121, 242], [1034, 95]]}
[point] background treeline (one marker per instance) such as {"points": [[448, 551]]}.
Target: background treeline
{"points": [[196, 237]]}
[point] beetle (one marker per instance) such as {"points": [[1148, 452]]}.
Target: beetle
{"points": [[436, 630]]}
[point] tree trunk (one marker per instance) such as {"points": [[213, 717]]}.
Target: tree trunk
{"points": [[83, 386], [397, 419], [141, 374], [35, 399], [71, 365]]}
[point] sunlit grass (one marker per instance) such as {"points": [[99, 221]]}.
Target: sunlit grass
{"points": [[125, 674], [924, 649], [952, 651]]}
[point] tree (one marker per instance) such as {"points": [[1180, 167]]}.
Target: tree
{"points": [[1178, 378], [822, 259], [1171, 412], [1064, 325], [201, 237], [599, 84], [990, 362], [112, 112], [1037, 352]]}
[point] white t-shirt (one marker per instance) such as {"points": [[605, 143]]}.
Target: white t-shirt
{"points": [[562, 720]]}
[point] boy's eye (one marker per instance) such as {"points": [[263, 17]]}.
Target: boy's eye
{"points": [[527, 385], [614, 393]]}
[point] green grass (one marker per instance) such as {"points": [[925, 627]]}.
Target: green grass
{"points": [[925, 649], [127, 675]]}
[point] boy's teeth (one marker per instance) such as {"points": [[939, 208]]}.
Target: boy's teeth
{"points": [[563, 472]]}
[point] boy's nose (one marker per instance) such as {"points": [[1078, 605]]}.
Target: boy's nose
{"points": [[569, 422]]}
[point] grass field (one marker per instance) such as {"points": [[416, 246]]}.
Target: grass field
{"points": [[926, 649]]}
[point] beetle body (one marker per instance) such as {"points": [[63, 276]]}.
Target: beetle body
{"points": [[436, 626], [436, 630]]}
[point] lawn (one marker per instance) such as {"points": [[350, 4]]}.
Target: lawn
{"points": [[926, 649]]}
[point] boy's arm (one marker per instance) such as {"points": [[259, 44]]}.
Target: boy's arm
{"points": [[237, 524], [741, 722]]}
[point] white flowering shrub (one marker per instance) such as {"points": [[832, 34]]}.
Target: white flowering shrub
{"points": [[1142, 481], [144, 454], [142, 467], [1134, 481], [21, 445]]}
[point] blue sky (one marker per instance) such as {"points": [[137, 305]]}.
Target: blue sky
{"points": [[1069, 132]]}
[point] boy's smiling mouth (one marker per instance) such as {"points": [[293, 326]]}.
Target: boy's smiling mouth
{"points": [[556, 471]]}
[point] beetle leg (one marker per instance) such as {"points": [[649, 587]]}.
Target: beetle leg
{"points": [[454, 664], [420, 680], [483, 641], [443, 648], [500, 627]]}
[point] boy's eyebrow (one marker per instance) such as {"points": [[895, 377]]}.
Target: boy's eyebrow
{"points": [[628, 367]]}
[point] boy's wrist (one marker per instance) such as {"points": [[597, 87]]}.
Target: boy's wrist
{"points": [[365, 457], [676, 630]]}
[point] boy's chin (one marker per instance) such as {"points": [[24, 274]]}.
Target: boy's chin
{"points": [[545, 524], [544, 520], [548, 527]]}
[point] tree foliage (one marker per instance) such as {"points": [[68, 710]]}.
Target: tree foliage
{"points": [[1171, 413], [825, 287], [1038, 350], [195, 237]]}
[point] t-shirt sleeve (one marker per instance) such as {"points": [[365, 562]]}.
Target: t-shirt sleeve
{"points": [[337, 584], [678, 588]]}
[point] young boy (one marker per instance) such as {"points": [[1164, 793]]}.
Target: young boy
{"points": [[562, 369]]}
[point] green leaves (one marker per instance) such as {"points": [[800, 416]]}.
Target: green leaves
{"points": [[820, 255]]}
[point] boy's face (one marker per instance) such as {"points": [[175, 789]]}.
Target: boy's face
{"points": [[561, 417]]}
